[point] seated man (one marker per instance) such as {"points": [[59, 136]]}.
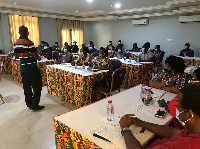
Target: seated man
{"points": [[188, 113], [187, 51], [47, 52], [135, 48], [74, 47], [110, 47], [56, 47]]}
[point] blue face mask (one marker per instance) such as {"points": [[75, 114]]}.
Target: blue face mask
{"points": [[185, 47], [81, 54], [177, 117], [42, 44], [142, 50], [119, 42], [119, 50], [65, 50], [91, 48], [156, 49]]}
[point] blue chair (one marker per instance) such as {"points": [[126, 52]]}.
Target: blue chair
{"points": [[115, 63], [127, 55], [56, 56], [95, 54]]}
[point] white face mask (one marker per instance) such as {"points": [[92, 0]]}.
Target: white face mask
{"points": [[119, 42], [45, 47], [65, 50], [119, 50]]}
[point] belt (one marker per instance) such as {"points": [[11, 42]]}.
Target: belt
{"points": [[24, 55]]}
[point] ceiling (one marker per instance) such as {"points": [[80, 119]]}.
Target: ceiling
{"points": [[99, 9]]}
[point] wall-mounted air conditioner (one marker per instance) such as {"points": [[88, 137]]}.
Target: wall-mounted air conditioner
{"points": [[140, 22], [189, 19]]}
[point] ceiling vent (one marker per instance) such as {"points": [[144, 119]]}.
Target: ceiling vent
{"points": [[189, 19], [140, 22]]}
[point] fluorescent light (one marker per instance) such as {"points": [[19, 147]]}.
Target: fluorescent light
{"points": [[117, 5], [90, 0]]}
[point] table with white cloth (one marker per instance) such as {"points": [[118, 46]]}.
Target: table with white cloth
{"points": [[75, 129], [136, 73], [191, 61], [72, 85], [16, 74]]}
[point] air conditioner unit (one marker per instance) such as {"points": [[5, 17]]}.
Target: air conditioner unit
{"points": [[189, 19], [140, 22]]}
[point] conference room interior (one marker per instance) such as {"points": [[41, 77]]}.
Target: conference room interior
{"points": [[75, 92]]}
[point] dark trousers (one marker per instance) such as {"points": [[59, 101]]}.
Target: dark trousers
{"points": [[32, 84]]}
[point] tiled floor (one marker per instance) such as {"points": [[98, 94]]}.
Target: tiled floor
{"points": [[21, 128]]}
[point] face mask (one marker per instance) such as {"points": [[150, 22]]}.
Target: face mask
{"points": [[119, 50], [91, 48], [177, 117], [142, 50], [168, 72], [65, 50], [56, 44], [41, 44], [45, 47], [185, 47], [156, 49], [119, 42], [81, 54]]}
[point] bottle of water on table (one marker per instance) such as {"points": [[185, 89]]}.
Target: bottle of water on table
{"points": [[83, 67], [148, 98], [142, 93], [110, 111]]}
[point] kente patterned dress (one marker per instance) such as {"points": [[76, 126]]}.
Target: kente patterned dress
{"points": [[179, 80], [88, 58]]}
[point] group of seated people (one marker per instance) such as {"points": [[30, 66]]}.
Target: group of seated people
{"points": [[185, 109]]}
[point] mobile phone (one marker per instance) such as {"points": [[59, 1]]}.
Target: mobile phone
{"points": [[162, 103], [160, 114]]}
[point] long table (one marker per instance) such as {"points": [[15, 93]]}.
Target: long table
{"points": [[75, 129], [16, 74], [6, 68], [190, 61], [72, 85]]}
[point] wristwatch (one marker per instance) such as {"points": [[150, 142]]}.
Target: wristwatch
{"points": [[124, 129]]}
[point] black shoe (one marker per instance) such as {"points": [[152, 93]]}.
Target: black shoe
{"points": [[37, 108]]}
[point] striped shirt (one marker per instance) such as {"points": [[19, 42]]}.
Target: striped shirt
{"points": [[25, 46]]}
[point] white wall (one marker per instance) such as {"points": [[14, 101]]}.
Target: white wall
{"points": [[48, 30], [157, 32]]}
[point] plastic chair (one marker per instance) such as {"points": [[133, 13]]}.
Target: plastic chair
{"points": [[95, 54], [116, 64], [116, 82], [127, 55]]}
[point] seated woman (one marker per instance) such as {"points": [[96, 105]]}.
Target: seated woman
{"points": [[68, 54], [119, 53], [188, 113], [102, 62], [172, 78], [83, 57]]}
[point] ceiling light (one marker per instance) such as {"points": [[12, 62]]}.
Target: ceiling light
{"points": [[76, 11], [111, 5], [14, 3], [117, 5], [90, 0]]}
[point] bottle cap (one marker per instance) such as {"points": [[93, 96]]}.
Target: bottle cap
{"points": [[148, 89], [109, 101]]}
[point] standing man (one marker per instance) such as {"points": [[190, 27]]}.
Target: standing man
{"points": [[25, 50]]}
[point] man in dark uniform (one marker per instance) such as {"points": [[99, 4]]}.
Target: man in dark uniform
{"points": [[31, 78], [187, 51]]}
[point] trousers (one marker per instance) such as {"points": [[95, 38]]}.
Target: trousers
{"points": [[32, 85]]}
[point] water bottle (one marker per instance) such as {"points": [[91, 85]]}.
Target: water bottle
{"points": [[129, 58], [124, 58], [110, 111], [148, 98], [83, 67], [142, 93]]}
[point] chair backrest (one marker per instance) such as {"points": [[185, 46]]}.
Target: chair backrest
{"points": [[116, 64], [127, 55], [117, 78], [95, 54], [56, 56]]}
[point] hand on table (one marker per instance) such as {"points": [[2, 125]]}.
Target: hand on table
{"points": [[124, 122]]}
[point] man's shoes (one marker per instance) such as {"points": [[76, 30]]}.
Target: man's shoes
{"points": [[37, 108]]}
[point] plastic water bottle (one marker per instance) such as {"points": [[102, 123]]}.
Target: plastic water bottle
{"points": [[83, 67], [142, 93], [110, 111], [130, 58], [148, 98]]}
